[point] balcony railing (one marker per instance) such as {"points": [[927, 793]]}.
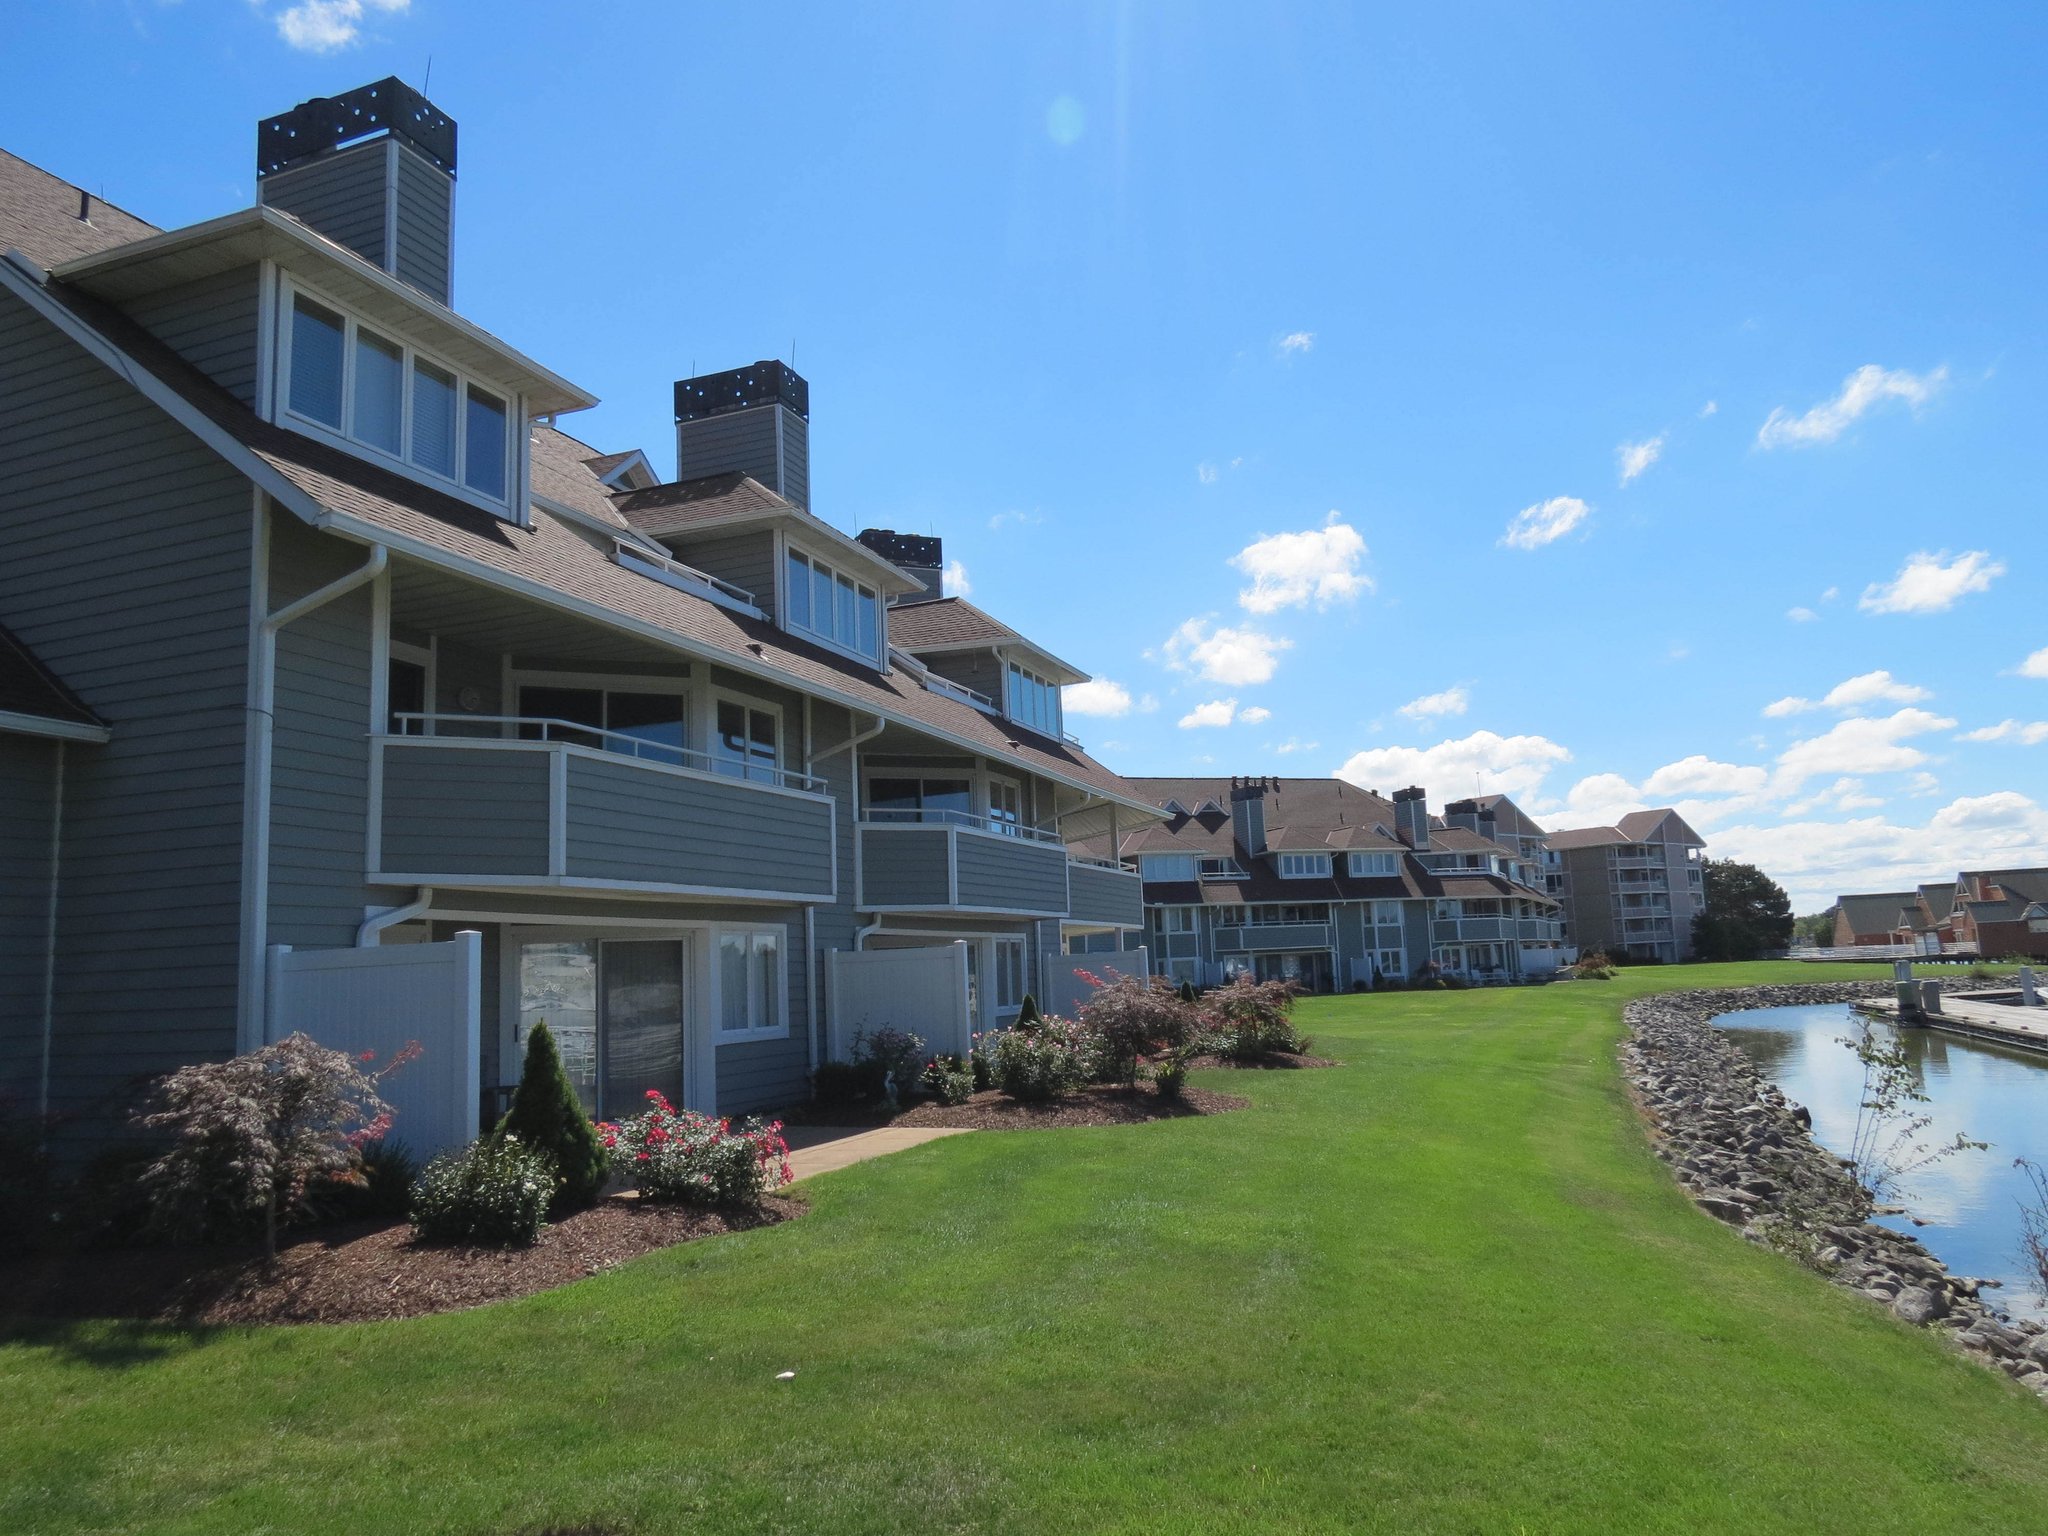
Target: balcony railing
{"points": [[1238, 938], [940, 817], [684, 578], [958, 862], [544, 729]]}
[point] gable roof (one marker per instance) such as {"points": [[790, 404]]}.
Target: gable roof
{"points": [[1875, 912], [39, 216], [35, 701], [945, 623], [1662, 825]]}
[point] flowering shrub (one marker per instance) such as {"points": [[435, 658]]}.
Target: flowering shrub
{"points": [[1594, 966], [1246, 1019], [1048, 1060], [493, 1193], [946, 1080], [1128, 1016], [889, 1055], [678, 1154], [250, 1135]]}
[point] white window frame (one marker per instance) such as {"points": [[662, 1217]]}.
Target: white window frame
{"points": [[995, 782], [1304, 866], [511, 508], [1055, 728], [719, 764], [1011, 945], [810, 632], [615, 682], [1362, 865], [720, 932], [1165, 867]]}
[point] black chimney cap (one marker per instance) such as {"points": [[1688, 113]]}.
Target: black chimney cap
{"points": [[328, 122], [911, 550], [739, 389]]}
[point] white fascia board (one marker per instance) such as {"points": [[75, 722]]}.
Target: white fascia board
{"points": [[56, 730], [738, 661]]}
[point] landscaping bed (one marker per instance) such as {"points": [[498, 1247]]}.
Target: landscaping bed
{"points": [[354, 1273], [1097, 1104], [1271, 1061]]}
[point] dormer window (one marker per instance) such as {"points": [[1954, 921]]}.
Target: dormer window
{"points": [[1304, 866], [344, 379], [1032, 701], [831, 606], [1365, 864]]}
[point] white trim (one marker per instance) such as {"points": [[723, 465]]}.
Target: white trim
{"points": [[598, 754], [255, 764], [50, 933], [558, 814], [390, 262], [592, 885], [719, 932], [266, 336], [56, 730], [718, 696], [879, 659]]}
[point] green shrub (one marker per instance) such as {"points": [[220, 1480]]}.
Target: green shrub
{"points": [[980, 1061], [494, 1193], [1047, 1061], [1170, 1076], [547, 1116], [1188, 993], [947, 1080], [1594, 965], [843, 1084], [1247, 1019], [25, 1194], [1027, 1012], [1128, 1017], [680, 1155], [889, 1055], [380, 1190]]}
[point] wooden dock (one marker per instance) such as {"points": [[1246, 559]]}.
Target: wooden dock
{"points": [[1977, 1016]]}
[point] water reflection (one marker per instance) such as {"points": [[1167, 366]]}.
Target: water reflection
{"points": [[1971, 1200]]}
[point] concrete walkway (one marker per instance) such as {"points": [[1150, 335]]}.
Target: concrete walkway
{"points": [[826, 1148]]}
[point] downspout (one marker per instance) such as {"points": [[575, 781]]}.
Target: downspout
{"points": [[811, 979], [262, 725], [50, 941], [375, 924]]}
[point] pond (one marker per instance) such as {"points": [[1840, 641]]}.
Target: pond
{"points": [[1970, 1201]]}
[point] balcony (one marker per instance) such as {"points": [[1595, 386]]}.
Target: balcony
{"points": [[1469, 930], [1104, 893], [1250, 937], [948, 861], [562, 805]]}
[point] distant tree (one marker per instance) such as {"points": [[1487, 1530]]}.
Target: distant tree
{"points": [[1747, 913], [1815, 928]]}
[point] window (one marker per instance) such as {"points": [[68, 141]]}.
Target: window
{"points": [[1005, 807], [750, 986], [1220, 867], [1167, 866], [1032, 701], [1009, 974], [378, 393], [406, 694], [653, 720], [832, 607], [1284, 914], [1365, 864], [920, 799], [1304, 866], [1386, 914], [743, 744], [1175, 919]]}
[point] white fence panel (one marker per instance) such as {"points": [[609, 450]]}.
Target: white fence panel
{"points": [[923, 991], [1065, 991], [380, 999]]}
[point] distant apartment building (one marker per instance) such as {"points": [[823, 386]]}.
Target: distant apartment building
{"points": [[1877, 918], [2002, 912], [1319, 882], [1633, 888]]}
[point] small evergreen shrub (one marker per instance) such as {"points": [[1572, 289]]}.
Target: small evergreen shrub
{"points": [[1170, 1076], [679, 1155], [494, 1193], [1248, 1019], [1048, 1061], [947, 1080], [1187, 992], [547, 1116], [980, 1061], [1027, 1012]]}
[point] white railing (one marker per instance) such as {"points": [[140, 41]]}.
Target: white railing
{"points": [[541, 730], [684, 578], [876, 816]]}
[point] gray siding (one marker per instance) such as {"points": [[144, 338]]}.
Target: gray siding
{"points": [[210, 323], [320, 751], [746, 441], [426, 226], [465, 810], [626, 823], [904, 867], [1415, 934], [152, 630], [341, 195], [1104, 896], [28, 768], [747, 560], [980, 670], [1012, 875]]}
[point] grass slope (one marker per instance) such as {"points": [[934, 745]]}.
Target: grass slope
{"points": [[1442, 1288]]}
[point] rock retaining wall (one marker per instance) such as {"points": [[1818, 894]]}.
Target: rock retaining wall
{"points": [[1747, 1156]]}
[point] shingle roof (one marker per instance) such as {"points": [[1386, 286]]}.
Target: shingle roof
{"points": [[557, 557], [562, 473], [27, 687], [1875, 912], [39, 216], [1586, 837], [665, 509], [944, 622]]}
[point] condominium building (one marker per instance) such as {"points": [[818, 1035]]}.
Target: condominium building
{"points": [[1633, 888], [1319, 882]]}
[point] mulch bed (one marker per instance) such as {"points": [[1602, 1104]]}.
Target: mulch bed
{"points": [[354, 1273], [1272, 1061], [1095, 1105]]}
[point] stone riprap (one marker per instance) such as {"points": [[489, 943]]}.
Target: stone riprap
{"points": [[1746, 1155]]}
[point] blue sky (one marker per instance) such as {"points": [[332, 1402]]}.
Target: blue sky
{"points": [[1281, 364]]}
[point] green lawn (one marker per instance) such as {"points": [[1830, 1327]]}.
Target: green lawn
{"points": [[1443, 1288]]}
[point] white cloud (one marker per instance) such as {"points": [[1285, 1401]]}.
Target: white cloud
{"points": [[1234, 657], [1853, 693], [1014, 519], [324, 26], [1258, 714], [1318, 565], [1293, 745], [1860, 744], [1817, 860], [1709, 408], [1511, 765], [1149, 704], [1701, 775], [1831, 594], [2028, 734], [1633, 458], [1452, 701], [1860, 391], [1215, 712], [1931, 583], [1206, 473], [954, 579], [1097, 696], [1545, 523], [1801, 615], [1923, 784], [2035, 665], [1296, 342], [1598, 800]]}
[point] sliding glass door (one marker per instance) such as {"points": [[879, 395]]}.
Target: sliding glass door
{"points": [[616, 1009]]}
